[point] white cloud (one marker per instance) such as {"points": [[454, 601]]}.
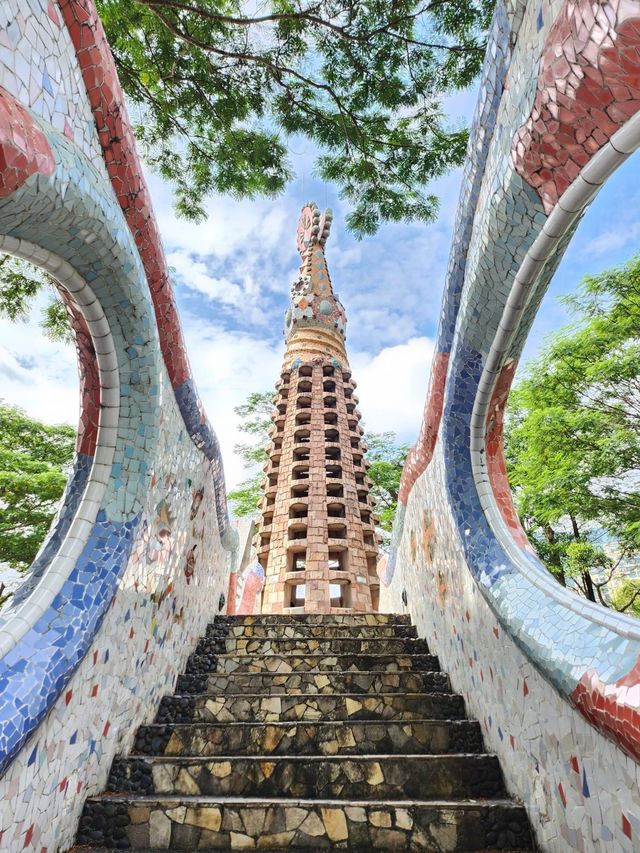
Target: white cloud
{"points": [[195, 276], [392, 385], [231, 227], [36, 374], [227, 367], [613, 239]]}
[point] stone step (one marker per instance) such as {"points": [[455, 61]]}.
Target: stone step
{"points": [[305, 631], [315, 682], [334, 777], [309, 708], [313, 645], [303, 663], [92, 849], [319, 738], [206, 823], [317, 619]]}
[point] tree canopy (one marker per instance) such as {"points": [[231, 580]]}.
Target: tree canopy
{"points": [[35, 461], [255, 420], [572, 439], [219, 88], [20, 283], [387, 459]]}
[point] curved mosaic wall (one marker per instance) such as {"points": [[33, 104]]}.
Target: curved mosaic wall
{"points": [[137, 560], [555, 680]]}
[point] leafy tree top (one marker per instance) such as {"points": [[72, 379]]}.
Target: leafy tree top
{"points": [[572, 440], [35, 460], [220, 88]]}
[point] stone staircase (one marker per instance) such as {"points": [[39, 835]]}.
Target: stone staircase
{"points": [[308, 733]]}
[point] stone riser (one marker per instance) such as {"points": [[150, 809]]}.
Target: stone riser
{"points": [[308, 632], [226, 709], [327, 645], [372, 619], [339, 738], [355, 777], [313, 682], [206, 824], [304, 663]]}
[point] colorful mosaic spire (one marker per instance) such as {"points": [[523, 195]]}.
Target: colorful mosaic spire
{"points": [[317, 539]]}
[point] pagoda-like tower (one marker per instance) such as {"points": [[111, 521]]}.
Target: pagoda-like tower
{"points": [[316, 540]]}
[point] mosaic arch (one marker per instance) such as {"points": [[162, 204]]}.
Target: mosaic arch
{"points": [[555, 680], [138, 556]]}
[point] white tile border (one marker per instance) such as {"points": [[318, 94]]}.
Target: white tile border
{"points": [[572, 202]]}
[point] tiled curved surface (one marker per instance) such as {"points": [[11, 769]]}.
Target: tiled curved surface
{"points": [[135, 562], [555, 679]]}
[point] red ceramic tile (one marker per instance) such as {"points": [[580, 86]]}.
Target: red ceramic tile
{"points": [[592, 70], [420, 455]]}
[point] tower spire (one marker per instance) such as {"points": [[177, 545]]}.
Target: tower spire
{"points": [[316, 539], [313, 302]]}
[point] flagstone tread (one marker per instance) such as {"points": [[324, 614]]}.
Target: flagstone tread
{"points": [[317, 733], [311, 645], [305, 662], [310, 707], [315, 682], [317, 738], [84, 848], [304, 631], [204, 823], [358, 776], [317, 619]]}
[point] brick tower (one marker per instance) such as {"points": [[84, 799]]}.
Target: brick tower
{"points": [[316, 538]]}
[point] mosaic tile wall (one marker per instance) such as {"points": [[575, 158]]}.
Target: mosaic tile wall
{"points": [[137, 561], [554, 680]]}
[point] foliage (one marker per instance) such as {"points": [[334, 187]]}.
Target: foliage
{"points": [[572, 438], [255, 417], [220, 87], [35, 460], [20, 283], [245, 498], [387, 461], [626, 596]]}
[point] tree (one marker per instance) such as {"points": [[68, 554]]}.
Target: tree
{"points": [[626, 596], [35, 461], [20, 283], [387, 461], [572, 438], [219, 88], [255, 417], [386, 458]]}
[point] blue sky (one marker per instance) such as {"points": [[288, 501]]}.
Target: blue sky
{"points": [[234, 272]]}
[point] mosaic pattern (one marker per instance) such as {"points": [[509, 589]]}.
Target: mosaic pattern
{"points": [[541, 146], [588, 87], [382, 771], [313, 302], [134, 563], [246, 579]]}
